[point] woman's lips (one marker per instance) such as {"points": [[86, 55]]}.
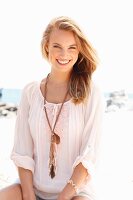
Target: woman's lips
{"points": [[63, 62]]}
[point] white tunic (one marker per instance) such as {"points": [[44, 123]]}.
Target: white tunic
{"points": [[79, 128]]}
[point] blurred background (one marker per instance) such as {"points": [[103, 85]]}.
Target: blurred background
{"points": [[108, 26]]}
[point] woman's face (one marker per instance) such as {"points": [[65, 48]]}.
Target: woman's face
{"points": [[62, 50]]}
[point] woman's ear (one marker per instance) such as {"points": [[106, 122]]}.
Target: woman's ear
{"points": [[46, 47]]}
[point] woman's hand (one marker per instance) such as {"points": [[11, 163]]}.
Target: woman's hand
{"points": [[63, 197], [67, 193], [31, 196]]}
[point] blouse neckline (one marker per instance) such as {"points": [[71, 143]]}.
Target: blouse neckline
{"points": [[51, 103]]}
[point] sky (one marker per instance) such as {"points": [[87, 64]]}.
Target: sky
{"points": [[107, 25]]}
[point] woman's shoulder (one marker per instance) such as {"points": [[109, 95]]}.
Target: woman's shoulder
{"points": [[95, 89], [97, 94], [29, 89], [30, 86]]}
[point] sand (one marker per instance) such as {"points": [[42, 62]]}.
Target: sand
{"points": [[8, 171], [115, 173]]}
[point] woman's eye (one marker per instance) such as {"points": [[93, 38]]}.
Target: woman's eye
{"points": [[55, 46], [72, 48]]}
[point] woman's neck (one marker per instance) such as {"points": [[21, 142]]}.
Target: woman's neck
{"points": [[59, 79]]}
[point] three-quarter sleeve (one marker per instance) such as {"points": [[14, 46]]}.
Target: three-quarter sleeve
{"points": [[91, 137], [22, 153]]}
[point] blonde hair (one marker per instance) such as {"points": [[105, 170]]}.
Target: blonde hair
{"points": [[87, 59]]}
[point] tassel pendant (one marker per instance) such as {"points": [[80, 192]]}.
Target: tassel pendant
{"points": [[52, 171], [52, 161], [55, 138], [52, 156]]}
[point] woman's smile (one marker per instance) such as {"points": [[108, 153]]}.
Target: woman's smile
{"points": [[63, 62]]}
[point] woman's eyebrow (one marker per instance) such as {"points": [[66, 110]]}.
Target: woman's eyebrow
{"points": [[57, 44], [73, 45], [61, 45]]}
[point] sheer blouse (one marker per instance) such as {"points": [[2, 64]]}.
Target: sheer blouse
{"points": [[79, 128]]}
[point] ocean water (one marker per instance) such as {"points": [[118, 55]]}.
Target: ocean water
{"points": [[14, 95], [11, 96]]}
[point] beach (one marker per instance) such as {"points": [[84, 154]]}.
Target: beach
{"points": [[7, 169], [116, 165], [114, 178]]}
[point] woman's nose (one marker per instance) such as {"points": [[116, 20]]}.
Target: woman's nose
{"points": [[64, 53]]}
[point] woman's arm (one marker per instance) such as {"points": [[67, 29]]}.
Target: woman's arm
{"points": [[26, 180], [22, 152], [69, 191], [84, 165]]}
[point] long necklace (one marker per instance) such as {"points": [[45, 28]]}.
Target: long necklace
{"points": [[55, 139]]}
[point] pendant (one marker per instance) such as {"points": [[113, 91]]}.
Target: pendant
{"points": [[55, 138], [52, 172]]}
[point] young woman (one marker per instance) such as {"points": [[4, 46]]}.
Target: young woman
{"points": [[58, 124]]}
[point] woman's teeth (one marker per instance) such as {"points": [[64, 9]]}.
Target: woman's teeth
{"points": [[63, 62]]}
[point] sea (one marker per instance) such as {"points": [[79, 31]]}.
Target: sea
{"points": [[9, 95], [12, 95]]}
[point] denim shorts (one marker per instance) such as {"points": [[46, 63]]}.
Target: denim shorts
{"points": [[80, 194], [38, 198]]}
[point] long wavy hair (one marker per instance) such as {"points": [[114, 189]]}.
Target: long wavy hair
{"points": [[86, 64]]}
